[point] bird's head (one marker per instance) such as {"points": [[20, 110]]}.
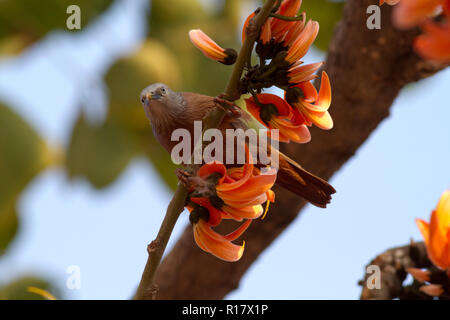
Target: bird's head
{"points": [[159, 99]]}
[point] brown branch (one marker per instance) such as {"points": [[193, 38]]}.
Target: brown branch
{"points": [[367, 69]]}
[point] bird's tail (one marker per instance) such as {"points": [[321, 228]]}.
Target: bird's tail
{"points": [[294, 178]]}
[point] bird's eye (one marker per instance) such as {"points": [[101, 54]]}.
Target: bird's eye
{"points": [[142, 99], [163, 91]]}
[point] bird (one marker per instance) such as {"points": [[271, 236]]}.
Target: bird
{"points": [[169, 110]]}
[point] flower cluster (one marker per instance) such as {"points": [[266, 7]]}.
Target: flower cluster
{"points": [[436, 235], [238, 193], [235, 193], [434, 43], [282, 42], [285, 43]]}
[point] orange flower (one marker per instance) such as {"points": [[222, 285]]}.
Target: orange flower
{"points": [[211, 49], [242, 189], [275, 113], [434, 43], [436, 234], [312, 105], [419, 274], [288, 8], [409, 13], [276, 29], [281, 35], [238, 194], [390, 2], [303, 42], [218, 245], [434, 290], [301, 73], [203, 217]]}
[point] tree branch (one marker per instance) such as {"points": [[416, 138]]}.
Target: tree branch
{"points": [[147, 288], [367, 69], [393, 263]]}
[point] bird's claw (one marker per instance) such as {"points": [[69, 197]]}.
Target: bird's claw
{"points": [[232, 110], [185, 178]]}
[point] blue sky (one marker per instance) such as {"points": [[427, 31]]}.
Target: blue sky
{"points": [[396, 176]]}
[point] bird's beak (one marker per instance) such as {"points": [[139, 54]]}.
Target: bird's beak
{"points": [[154, 96]]}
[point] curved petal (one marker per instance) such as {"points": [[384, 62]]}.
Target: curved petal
{"points": [[271, 196], [244, 203], [266, 34], [294, 31], [304, 73], [434, 43], [214, 167], [301, 45], [250, 212], [424, 229], [251, 189], [298, 133], [244, 28], [438, 246], [322, 120], [408, 14], [222, 249], [324, 99], [207, 46], [238, 232], [282, 106], [443, 212], [247, 173], [309, 91], [288, 8]]}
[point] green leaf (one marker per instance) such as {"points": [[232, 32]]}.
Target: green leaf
{"points": [[327, 13], [17, 289], [24, 155], [99, 153]]}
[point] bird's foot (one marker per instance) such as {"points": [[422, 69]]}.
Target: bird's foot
{"points": [[185, 178], [232, 110]]}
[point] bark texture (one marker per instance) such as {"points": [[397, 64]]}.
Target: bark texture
{"points": [[393, 263], [367, 69]]}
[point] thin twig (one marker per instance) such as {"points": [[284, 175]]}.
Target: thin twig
{"points": [[212, 120], [285, 18]]}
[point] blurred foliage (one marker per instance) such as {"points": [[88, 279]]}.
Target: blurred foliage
{"points": [[101, 152], [172, 26], [24, 155], [23, 22], [327, 13], [17, 289]]}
